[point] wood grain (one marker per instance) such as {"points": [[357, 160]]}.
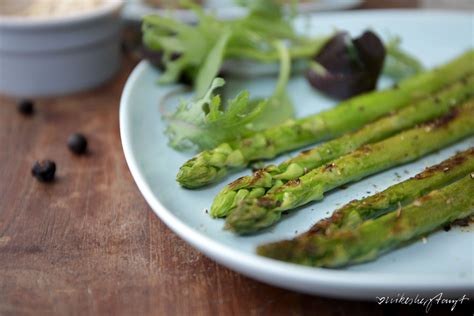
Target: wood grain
{"points": [[89, 244]]}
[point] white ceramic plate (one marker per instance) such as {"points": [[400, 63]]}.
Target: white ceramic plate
{"points": [[134, 10], [445, 263]]}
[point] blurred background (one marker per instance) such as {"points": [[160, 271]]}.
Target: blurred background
{"points": [[78, 44]]}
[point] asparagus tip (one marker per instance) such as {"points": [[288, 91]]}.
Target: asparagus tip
{"points": [[250, 216]]}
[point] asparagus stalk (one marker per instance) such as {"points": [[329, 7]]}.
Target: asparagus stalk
{"points": [[377, 236], [256, 213], [211, 165], [356, 212], [271, 177]]}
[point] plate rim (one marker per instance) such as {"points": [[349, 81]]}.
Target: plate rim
{"points": [[321, 281]]}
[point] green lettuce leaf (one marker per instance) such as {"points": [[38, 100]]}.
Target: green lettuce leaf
{"points": [[205, 122], [199, 50]]}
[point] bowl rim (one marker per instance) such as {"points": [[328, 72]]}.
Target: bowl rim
{"points": [[109, 7]]}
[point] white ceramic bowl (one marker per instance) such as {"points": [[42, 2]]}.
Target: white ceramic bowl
{"points": [[59, 55]]}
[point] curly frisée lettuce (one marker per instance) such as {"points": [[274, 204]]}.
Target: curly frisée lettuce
{"points": [[205, 122]]}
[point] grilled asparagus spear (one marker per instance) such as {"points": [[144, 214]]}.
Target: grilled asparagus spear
{"points": [[377, 236], [253, 214], [271, 177], [211, 165], [356, 212]]}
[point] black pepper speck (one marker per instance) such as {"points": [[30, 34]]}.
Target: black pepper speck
{"points": [[25, 107], [44, 170], [77, 143]]}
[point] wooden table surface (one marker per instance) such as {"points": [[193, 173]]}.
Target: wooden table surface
{"points": [[89, 244]]}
